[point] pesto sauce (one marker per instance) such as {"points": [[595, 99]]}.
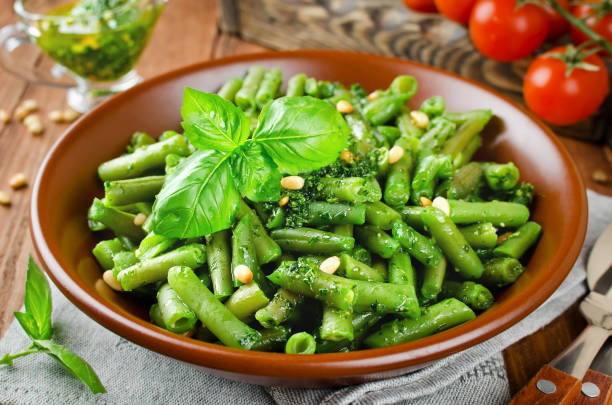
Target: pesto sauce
{"points": [[102, 46]]}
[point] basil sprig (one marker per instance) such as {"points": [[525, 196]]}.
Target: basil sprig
{"points": [[36, 322], [293, 135]]}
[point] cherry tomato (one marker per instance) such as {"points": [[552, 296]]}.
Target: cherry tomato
{"points": [[456, 10], [561, 99], [424, 6], [557, 25], [504, 32], [603, 27]]}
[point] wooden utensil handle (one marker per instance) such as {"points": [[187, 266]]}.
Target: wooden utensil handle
{"points": [[604, 385], [549, 386]]}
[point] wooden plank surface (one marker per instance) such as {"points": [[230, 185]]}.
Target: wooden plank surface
{"points": [[187, 33]]}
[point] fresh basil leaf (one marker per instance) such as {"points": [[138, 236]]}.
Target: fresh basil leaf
{"points": [[8, 358], [301, 134], [198, 198], [37, 304], [76, 365], [257, 177], [211, 122]]}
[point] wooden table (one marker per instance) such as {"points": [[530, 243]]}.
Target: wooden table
{"points": [[187, 33]]}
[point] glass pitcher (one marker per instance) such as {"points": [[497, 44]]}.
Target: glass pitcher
{"points": [[95, 44]]}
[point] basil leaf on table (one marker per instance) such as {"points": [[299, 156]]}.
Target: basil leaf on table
{"points": [[211, 122], [256, 175], [198, 198], [76, 365], [36, 320], [301, 134]]}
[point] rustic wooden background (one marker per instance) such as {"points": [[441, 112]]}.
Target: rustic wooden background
{"points": [[187, 33], [386, 27]]}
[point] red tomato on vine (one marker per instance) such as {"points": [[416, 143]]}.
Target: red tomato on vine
{"points": [[424, 6], [598, 17], [557, 25], [456, 10]]}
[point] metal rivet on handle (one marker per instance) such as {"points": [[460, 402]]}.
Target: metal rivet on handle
{"points": [[546, 386], [590, 390]]}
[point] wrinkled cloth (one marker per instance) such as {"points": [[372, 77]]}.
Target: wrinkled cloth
{"points": [[134, 375]]}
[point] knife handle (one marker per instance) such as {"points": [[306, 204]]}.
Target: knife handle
{"points": [[604, 385], [549, 386]]}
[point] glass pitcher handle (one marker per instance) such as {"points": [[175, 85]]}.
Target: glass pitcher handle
{"points": [[13, 37]]}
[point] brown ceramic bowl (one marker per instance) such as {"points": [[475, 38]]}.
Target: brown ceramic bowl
{"points": [[67, 182]]}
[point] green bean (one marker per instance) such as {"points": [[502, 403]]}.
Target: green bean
{"points": [[380, 265], [324, 213], [230, 88], [210, 311], [267, 249], [105, 250], [344, 230], [384, 108], [143, 159], [172, 162], [452, 243], [313, 241], [355, 190], [149, 271], [167, 135], [501, 271], [361, 130], [482, 235], [272, 339], [420, 247], [520, 241], [362, 254], [245, 97], [303, 277], [362, 323], [356, 270], [295, 85], [470, 124], [390, 133], [244, 253], [433, 106], [246, 300], [177, 317], [501, 176], [404, 84], [476, 296], [121, 223], [380, 214], [336, 324], [123, 260], [432, 280], [439, 130], [429, 169], [269, 87], [397, 187], [329, 89], [466, 180], [435, 318], [382, 162], [140, 139], [338, 94], [153, 245], [218, 256], [412, 216], [301, 343], [280, 309], [311, 87], [401, 272], [376, 241], [499, 213], [385, 298], [137, 208], [155, 316], [466, 154], [407, 126]]}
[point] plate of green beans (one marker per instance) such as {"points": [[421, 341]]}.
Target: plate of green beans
{"points": [[321, 218]]}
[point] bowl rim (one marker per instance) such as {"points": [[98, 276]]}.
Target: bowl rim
{"points": [[320, 366]]}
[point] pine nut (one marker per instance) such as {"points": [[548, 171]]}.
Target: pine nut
{"points": [[35, 128], [243, 274], [373, 95], [21, 112], [419, 118], [600, 176], [395, 154], [344, 107], [56, 116], [69, 115], [140, 219], [5, 117], [30, 119], [283, 201], [292, 182], [442, 204], [30, 104], [425, 202], [18, 180], [330, 265], [111, 281], [503, 237], [5, 198], [347, 156]]}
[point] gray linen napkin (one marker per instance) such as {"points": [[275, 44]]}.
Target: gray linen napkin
{"points": [[134, 375]]}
